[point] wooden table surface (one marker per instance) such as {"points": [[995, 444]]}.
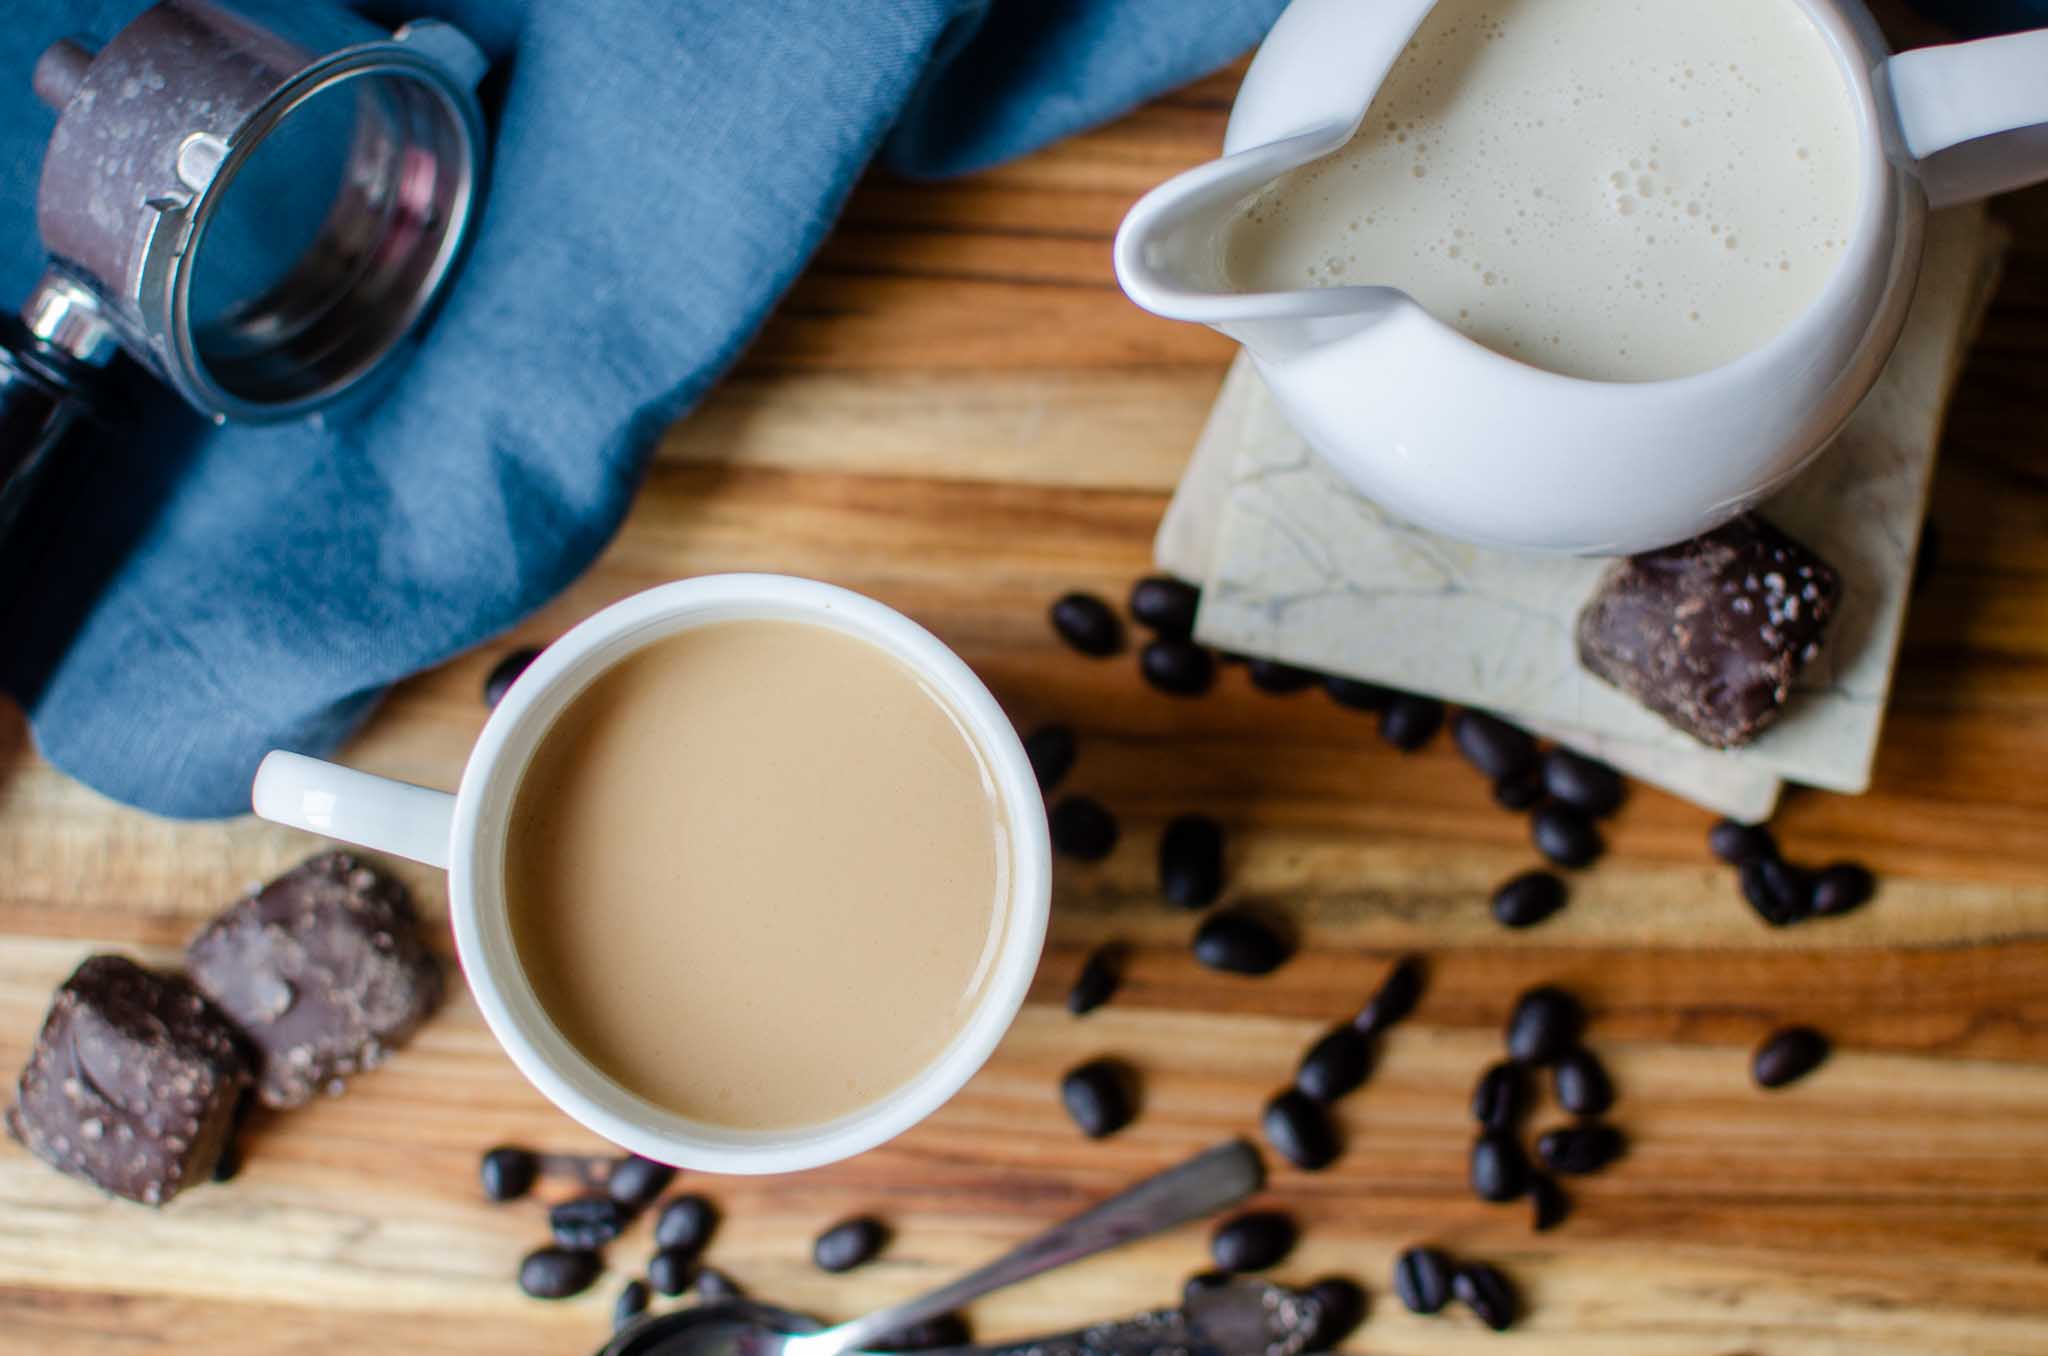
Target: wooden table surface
{"points": [[958, 412]]}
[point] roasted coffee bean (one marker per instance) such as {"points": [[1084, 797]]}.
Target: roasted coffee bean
{"points": [[1241, 942], [636, 1181], [947, 1330], [1523, 791], [1422, 1279], [1355, 695], [1410, 721], [509, 1172], [685, 1222], [1788, 1056], [1277, 679], [1780, 892], [631, 1303], [1202, 1281], [1497, 1168], [1544, 1026], [557, 1273], [1179, 668], [1166, 605], [1051, 751], [1565, 835], [1576, 1150], [1737, 843], [1191, 861], [1082, 829], [1490, 744], [506, 672], [1396, 997], [587, 1222], [714, 1286], [1840, 888], [1588, 787], [1528, 899], [1098, 979], [1085, 622], [1335, 1065], [671, 1270], [1581, 1083], [847, 1244], [1500, 1097], [1342, 1302], [1486, 1292], [1252, 1241], [1098, 1096], [1300, 1130], [1548, 1203]]}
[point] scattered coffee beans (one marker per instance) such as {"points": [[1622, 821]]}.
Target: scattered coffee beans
{"points": [[557, 1273], [1354, 695], [1781, 893], [587, 1222], [506, 672], [1082, 829], [1576, 1150], [1736, 843], [686, 1223], [1240, 942], [1486, 1293], [508, 1172], [1343, 1308], [1588, 787], [1840, 888], [947, 1330], [631, 1303], [1335, 1065], [1528, 899], [1788, 1056], [1492, 745], [1523, 791], [1051, 750], [714, 1286], [1098, 979], [1497, 1168], [1179, 668], [1166, 605], [1422, 1279], [849, 1243], [671, 1270], [1548, 1203], [1581, 1083], [1409, 721], [1191, 861], [1278, 679], [1086, 623], [636, 1181], [1544, 1026], [1499, 1098], [1300, 1130], [1565, 835], [1396, 997], [1252, 1242], [1098, 1097]]}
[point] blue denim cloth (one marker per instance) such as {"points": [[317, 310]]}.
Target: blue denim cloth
{"points": [[663, 169]]}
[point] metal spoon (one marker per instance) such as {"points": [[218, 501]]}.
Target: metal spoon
{"points": [[1205, 1183]]}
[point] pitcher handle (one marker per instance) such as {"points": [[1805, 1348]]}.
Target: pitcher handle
{"points": [[1981, 106], [339, 802]]}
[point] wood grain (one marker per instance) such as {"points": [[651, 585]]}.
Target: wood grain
{"points": [[957, 412]]}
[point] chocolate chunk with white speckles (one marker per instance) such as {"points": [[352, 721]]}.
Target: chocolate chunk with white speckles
{"points": [[132, 1083], [324, 971], [1709, 634]]}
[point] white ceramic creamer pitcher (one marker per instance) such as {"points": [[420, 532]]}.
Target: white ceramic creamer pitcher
{"points": [[1450, 434]]}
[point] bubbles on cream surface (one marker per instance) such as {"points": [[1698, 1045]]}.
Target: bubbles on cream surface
{"points": [[1624, 190]]}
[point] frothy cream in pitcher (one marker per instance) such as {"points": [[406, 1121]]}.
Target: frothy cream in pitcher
{"points": [[1623, 190]]}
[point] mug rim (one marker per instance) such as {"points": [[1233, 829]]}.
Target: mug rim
{"points": [[513, 1013]]}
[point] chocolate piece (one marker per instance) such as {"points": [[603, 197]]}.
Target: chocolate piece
{"points": [[132, 1084], [1710, 633], [324, 971]]}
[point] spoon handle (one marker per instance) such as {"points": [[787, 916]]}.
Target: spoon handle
{"points": [[1203, 1184]]}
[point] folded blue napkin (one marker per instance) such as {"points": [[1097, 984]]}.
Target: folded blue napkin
{"points": [[662, 170]]}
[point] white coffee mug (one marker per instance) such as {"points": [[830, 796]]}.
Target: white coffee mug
{"points": [[465, 832]]}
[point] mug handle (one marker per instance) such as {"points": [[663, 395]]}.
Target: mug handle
{"points": [[378, 813], [1980, 107]]}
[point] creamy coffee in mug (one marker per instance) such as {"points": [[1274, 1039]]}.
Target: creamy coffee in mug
{"points": [[1623, 190], [756, 873]]}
